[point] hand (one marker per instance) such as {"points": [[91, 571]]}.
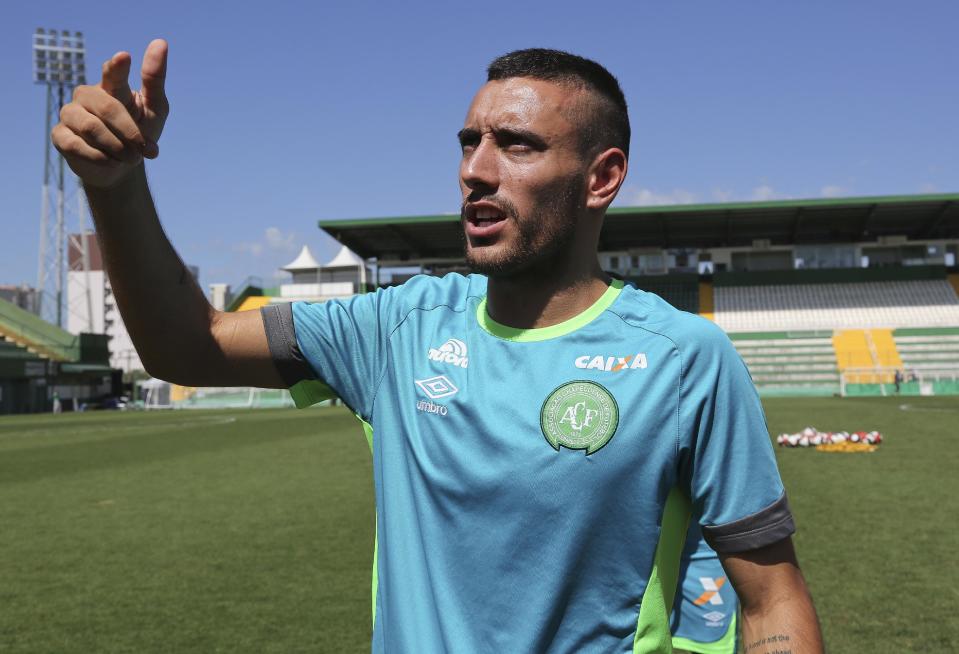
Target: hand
{"points": [[107, 130]]}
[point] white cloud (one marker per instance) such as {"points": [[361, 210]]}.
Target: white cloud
{"points": [[277, 241], [633, 196], [254, 249], [645, 197], [832, 191], [764, 192], [274, 241], [928, 187], [723, 195]]}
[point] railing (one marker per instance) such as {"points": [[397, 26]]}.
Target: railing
{"points": [[886, 376], [251, 280], [848, 359], [236, 297], [814, 333]]}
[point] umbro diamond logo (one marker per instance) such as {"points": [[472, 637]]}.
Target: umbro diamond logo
{"points": [[714, 619], [452, 351], [437, 387]]}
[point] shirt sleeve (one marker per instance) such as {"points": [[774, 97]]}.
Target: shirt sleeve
{"points": [[727, 459], [340, 343]]}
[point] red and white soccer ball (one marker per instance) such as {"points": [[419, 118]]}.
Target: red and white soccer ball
{"points": [[811, 437]]}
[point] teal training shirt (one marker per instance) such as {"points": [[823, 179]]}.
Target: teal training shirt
{"points": [[533, 486]]}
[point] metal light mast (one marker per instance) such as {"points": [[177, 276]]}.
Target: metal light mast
{"points": [[58, 64]]}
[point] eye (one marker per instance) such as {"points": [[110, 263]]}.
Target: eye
{"points": [[518, 141], [514, 143], [468, 139]]}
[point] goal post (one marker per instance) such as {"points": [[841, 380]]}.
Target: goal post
{"points": [[882, 381]]}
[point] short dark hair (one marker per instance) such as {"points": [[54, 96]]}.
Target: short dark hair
{"points": [[607, 123]]}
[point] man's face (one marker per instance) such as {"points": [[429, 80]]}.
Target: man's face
{"points": [[522, 175]]}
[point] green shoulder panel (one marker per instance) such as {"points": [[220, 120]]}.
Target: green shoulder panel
{"points": [[368, 432], [309, 392], [652, 627]]}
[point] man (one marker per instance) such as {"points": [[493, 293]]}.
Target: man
{"points": [[705, 610], [538, 431]]}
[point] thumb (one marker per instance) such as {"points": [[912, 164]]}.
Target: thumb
{"points": [[153, 74], [116, 71]]}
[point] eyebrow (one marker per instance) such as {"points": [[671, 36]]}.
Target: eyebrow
{"points": [[467, 135], [470, 135]]}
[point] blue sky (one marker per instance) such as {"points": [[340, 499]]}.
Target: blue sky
{"points": [[285, 113]]}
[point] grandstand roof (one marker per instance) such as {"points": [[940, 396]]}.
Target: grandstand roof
{"points": [[835, 220]]}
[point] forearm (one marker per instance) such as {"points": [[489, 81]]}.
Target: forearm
{"points": [[778, 616], [164, 310], [786, 626]]}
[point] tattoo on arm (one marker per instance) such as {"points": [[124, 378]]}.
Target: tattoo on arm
{"points": [[772, 644]]}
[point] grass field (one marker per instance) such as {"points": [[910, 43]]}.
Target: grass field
{"points": [[251, 531]]}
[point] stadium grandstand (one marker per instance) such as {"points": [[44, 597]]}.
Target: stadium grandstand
{"points": [[39, 362], [852, 296]]}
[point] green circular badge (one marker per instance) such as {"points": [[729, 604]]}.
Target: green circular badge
{"points": [[579, 415]]}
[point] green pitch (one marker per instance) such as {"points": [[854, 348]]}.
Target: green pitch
{"points": [[251, 531]]}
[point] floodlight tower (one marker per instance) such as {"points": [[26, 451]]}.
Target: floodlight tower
{"points": [[59, 64]]}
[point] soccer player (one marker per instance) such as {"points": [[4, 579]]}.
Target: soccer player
{"points": [[705, 610], [540, 433]]}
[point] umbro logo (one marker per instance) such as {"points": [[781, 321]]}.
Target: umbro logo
{"points": [[437, 387], [452, 351], [714, 619], [611, 364]]}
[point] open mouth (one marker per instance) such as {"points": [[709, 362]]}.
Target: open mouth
{"points": [[484, 220], [484, 217]]}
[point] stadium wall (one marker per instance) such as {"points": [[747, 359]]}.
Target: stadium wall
{"points": [[829, 276]]}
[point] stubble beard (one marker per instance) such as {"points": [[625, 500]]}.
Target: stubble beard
{"points": [[542, 237]]}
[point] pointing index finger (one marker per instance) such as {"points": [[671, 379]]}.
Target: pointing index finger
{"points": [[115, 81]]}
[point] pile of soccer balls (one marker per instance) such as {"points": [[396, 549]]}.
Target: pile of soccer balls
{"points": [[827, 441]]}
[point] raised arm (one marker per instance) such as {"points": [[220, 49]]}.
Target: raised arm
{"points": [[777, 612], [104, 134]]}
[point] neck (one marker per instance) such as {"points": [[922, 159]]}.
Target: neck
{"points": [[545, 295]]}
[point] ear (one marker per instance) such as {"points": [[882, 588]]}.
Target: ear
{"points": [[606, 175]]}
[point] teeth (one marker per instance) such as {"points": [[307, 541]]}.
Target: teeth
{"points": [[487, 214]]}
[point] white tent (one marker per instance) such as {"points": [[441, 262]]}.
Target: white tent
{"points": [[304, 262], [345, 258]]}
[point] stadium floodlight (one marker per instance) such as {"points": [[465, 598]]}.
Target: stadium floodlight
{"points": [[59, 58], [59, 63]]}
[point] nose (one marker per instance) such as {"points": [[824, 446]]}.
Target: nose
{"points": [[479, 169]]}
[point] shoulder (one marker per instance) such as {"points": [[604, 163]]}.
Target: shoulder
{"points": [[705, 351], [428, 292], [692, 335], [390, 306]]}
